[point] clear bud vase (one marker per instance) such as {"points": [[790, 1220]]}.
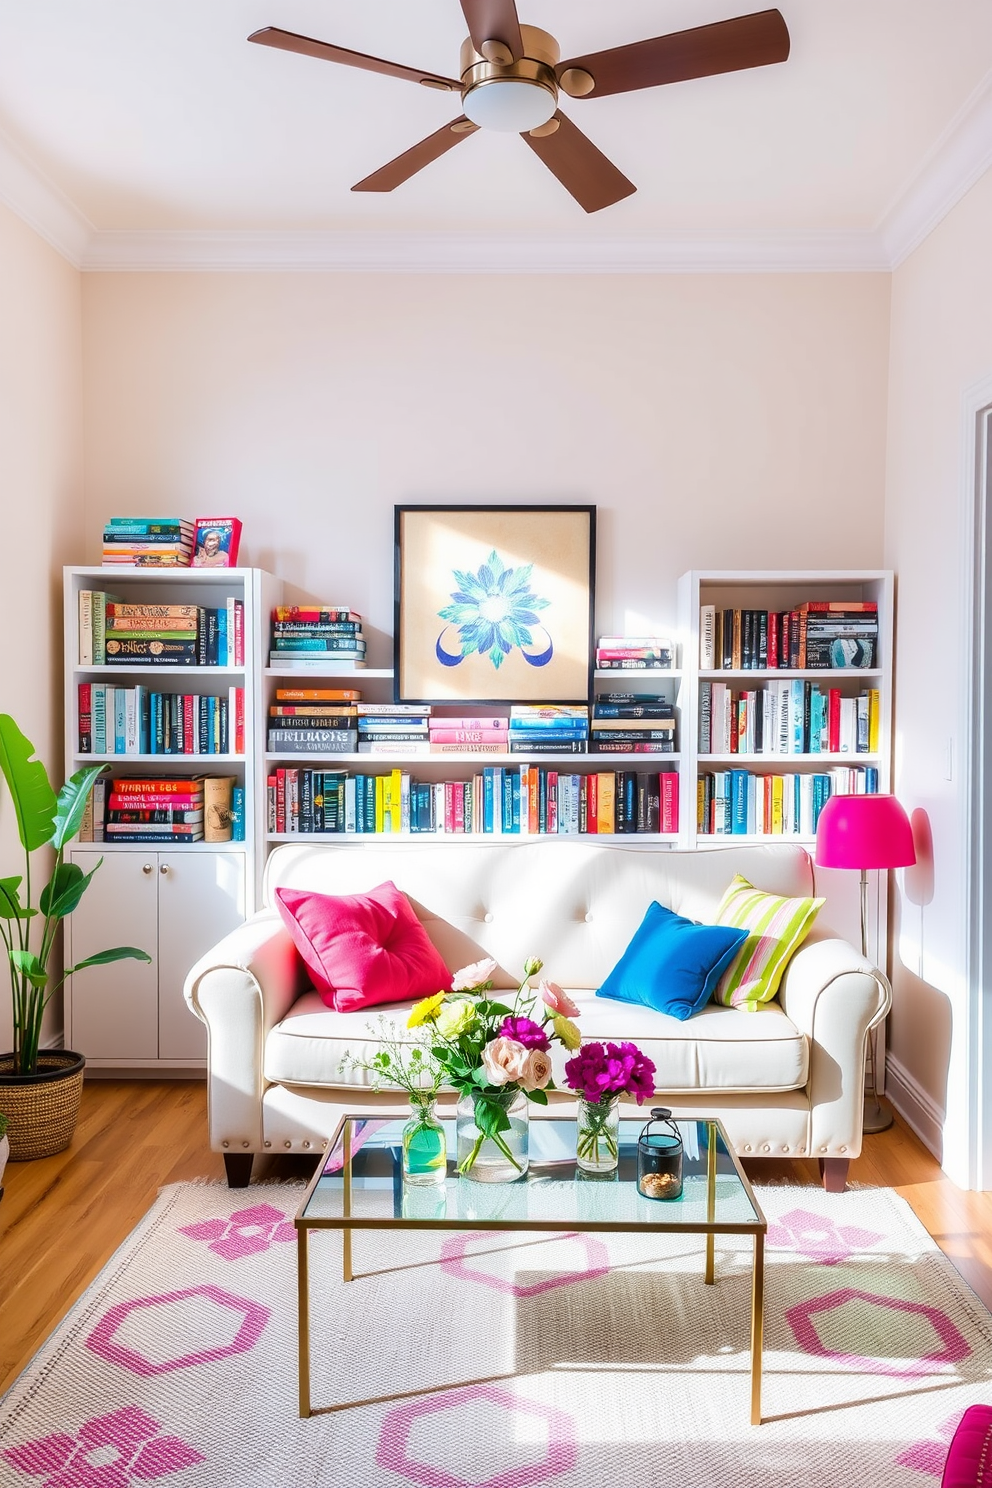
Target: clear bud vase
{"points": [[492, 1129], [425, 1155], [597, 1137]]}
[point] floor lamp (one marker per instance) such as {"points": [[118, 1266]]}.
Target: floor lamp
{"points": [[866, 832]]}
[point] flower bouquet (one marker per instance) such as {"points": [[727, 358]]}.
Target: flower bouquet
{"points": [[600, 1074], [412, 1067], [496, 1054]]}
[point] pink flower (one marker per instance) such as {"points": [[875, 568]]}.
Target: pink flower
{"points": [[538, 1071], [505, 1061], [473, 976], [558, 1001]]}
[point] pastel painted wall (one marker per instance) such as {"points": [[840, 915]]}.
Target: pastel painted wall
{"points": [[733, 421], [40, 496], [941, 352]]}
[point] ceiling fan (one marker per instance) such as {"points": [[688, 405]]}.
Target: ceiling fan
{"points": [[510, 77]]}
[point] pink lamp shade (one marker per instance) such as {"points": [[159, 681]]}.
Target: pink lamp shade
{"points": [[864, 832]]}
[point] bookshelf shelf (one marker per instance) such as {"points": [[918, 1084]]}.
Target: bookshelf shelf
{"points": [[636, 837], [317, 669], [380, 762], [167, 760], [780, 763], [808, 674], [148, 672]]}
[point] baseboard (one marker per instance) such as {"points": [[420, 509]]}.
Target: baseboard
{"points": [[143, 1072], [918, 1109]]}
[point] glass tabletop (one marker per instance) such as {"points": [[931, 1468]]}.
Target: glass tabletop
{"points": [[554, 1195]]}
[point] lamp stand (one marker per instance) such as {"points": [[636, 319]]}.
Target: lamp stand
{"points": [[875, 1118]]}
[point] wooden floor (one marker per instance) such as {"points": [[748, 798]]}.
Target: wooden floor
{"points": [[61, 1218]]}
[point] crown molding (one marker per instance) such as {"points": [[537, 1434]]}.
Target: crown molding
{"points": [[484, 253], [30, 195], [958, 159]]}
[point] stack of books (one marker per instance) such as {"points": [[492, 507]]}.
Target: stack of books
{"points": [[393, 728], [147, 542], [149, 810], [634, 654], [819, 635], [632, 723], [473, 734], [317, 634], [111, 632], [313, 720], [133, 720], [549, 728]]}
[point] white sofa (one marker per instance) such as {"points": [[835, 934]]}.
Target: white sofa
{"points": [[786, 1081]]}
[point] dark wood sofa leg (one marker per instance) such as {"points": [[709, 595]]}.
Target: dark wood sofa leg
{"points": [[238, 1165], [833, 1171]]}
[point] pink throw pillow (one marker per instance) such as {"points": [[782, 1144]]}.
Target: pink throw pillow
{"points": [[363, 949]]}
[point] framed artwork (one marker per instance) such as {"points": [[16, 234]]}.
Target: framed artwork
{"points": [[215, 542], [494, 604]]}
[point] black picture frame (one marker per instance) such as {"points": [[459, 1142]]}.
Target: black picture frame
{"points": [[464, 632]]}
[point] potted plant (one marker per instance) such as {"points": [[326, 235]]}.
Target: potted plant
{"points": [[40, 1089]]}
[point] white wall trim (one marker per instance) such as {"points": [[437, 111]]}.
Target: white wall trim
{"points": [[29, 194], [958, 159], [918, 1109], [587, 252]]}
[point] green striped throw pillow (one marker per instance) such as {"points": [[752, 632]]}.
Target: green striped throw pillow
{"points": [[776, 928]]}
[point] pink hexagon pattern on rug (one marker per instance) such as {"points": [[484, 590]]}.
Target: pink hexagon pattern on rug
{"points": [[560, 1456], [930, 1456], [102, 1341], [953, 1348], [247, 1232], [455, 1256], [819, 1238], [106, 1452]]}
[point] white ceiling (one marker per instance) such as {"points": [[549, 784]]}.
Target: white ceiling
{"points": [[142, 120]]}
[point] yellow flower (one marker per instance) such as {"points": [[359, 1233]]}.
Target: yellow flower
{"points": [[567, 1031], [423, 1012]]}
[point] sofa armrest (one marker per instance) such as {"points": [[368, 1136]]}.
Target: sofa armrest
{"points": [[834, 996], [240, 989]]}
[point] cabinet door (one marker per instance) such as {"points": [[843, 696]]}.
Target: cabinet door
{"points": [[112, 1011], [201, 898]]}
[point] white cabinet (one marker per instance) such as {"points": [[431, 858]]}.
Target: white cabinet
{"points": [[174, 905]]}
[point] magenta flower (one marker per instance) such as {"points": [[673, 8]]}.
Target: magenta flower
{"points": [[525, 1031], [601, 1071]]}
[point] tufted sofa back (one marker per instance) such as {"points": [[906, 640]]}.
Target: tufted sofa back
{"points": [[575, 903]]}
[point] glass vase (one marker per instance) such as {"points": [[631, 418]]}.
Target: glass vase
{"points": [[597, 1136], [425, 1154], [492, 1129]]}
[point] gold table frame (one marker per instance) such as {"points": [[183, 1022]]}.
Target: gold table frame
{"points": [[347, 1223]]}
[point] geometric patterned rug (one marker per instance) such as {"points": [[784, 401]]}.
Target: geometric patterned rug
{"points": [[569, 1361]]}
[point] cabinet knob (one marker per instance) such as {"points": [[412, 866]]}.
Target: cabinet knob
{"points": [[146, 867], [163, 867]]}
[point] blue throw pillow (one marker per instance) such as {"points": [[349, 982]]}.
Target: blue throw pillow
{"points": [[672, 964]]}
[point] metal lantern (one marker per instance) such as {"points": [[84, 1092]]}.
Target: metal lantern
{"points": [[659, 1157]]}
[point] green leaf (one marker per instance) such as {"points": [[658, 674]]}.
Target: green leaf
{"points": [[64, 889], [104, 958], [29, 786], [11, 907], [539, 1097], [28, 965], [71, 804]]}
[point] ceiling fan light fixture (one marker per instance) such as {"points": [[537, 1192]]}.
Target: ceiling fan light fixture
{"points": [[510, 105]]}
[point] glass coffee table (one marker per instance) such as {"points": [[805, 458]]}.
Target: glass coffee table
{"points": [[359, 1186]]}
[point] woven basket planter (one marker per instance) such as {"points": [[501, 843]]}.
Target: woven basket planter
{"points": [[41, 1108]]}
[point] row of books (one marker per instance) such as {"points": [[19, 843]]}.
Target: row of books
{"points": [[740, 802], [132, 720], [148, 542], [317, 633], [112, 632], [201, 808], [633, 723], [634, 653], [820, 634], [515, 800], [787, 716]]}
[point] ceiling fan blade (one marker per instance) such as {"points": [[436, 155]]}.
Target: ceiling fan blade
{"points": [[594, 181], [727, 46], [413, 160], [494, 20], [288, 41]]}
